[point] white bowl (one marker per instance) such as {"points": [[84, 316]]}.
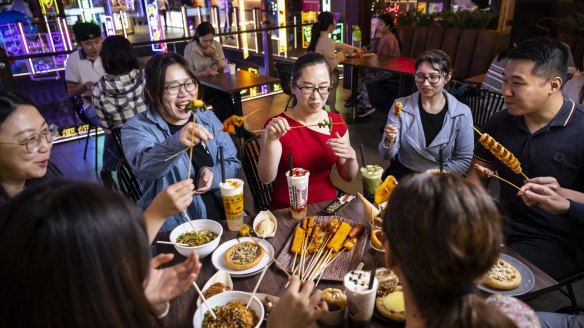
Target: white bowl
{"points": [[202, 224], [228, 297]]}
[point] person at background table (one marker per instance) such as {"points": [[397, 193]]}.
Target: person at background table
{"points": [[84, 66], [494, 77], [205, 57], [332, 51], [552, 25], [83, 252], [165, 129], [313, 148], [433, 126], [574, 88], [119, 95], [26, 140], [543, 129], [388, 46], [162, 11], [457, 233]]}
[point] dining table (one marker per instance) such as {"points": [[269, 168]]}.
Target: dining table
{"points": [[233, 84], [182, 309], [402, 66]]}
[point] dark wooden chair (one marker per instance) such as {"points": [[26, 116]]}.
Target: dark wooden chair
{"points": [[127, 181], [483, 104], [77, 104], [284, 71], [575, 307], [261, 193]]}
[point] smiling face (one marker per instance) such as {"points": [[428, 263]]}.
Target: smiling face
{"points": [[174, 111], [312, 76], [16, 164], [524, 92], [426, 88]]}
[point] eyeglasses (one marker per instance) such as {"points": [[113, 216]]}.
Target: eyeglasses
{"points": [[432, 78], [323, 91], [174, 88], [33, 143]]}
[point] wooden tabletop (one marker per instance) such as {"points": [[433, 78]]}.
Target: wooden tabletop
{"points": [[183, 308], [401, 65], [234, 83]]}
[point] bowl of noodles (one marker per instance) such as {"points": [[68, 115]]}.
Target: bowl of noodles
{"points": [[203, 240], [229, 307]]}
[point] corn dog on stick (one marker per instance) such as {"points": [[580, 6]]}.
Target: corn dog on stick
{"points": [[339, 237], [501, 153], [489, 173]]}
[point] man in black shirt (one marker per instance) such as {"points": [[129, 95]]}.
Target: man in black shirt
{"points": [[545, 132]]}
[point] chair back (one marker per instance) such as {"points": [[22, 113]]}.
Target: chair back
{"points": [[284, 71], [127, 181], [261, 193], [483, 104]]}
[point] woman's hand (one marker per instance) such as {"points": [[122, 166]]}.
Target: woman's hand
{"points": [[163, 285], [205, 181], [299, 306], [390, 131], [277, 127], [201, 134], [172, 200], [341, 147]]}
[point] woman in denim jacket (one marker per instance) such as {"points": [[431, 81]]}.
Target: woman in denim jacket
{"points": [[154, 136], [433, 130]]}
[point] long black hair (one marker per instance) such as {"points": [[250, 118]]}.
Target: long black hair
{"points": [[77, 254], [388, 20], [118, 55], [324, 20], [203, 29]]}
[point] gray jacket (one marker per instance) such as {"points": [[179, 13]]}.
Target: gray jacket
{"points": [[455, 138]]}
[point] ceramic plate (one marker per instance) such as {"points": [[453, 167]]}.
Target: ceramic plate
{"points": [[218, 258], [527, 279]]}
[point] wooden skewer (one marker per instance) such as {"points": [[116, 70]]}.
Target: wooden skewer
{"points": [[297, 127], [171, 243], [508, 182], [278, 265], [192, 146], [204, 300], [250, 114]]}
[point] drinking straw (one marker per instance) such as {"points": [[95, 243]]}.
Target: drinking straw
{"points": [[440, 160], [371, 278], [362, 149], [222, 160], [290, 160]]}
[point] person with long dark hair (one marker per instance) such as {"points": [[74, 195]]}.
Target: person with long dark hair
{"points": [[434, 129], [574, 88], [205, 57], [388, 46], [153, 141], [119, 95], [321, 146], [82, 251], [456, 233], [332, 51]]}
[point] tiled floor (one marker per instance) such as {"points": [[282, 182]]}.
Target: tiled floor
{"points": [[69, 157]]}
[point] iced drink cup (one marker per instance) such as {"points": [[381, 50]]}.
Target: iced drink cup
{"points": [[232, 194], [298, 192], [361, 299], [371, 180]]}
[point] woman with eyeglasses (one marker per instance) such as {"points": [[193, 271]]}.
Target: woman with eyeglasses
{"points": [[26, 140], [156, 141], [433, 130], [300, 131]]}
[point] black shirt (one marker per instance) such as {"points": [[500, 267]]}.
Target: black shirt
{"points": [[202, 158], [432, 123]]}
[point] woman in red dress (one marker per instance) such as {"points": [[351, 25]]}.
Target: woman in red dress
{"points": [[315, 148]]}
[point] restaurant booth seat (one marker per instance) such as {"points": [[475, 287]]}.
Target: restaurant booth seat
{"points": [[261, 192]]}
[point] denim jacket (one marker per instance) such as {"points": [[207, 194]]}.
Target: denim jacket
{"points": [[455, 138], [147, 143]]}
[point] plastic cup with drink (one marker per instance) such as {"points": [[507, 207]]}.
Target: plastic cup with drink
{"points": [[298, 192], [360, 297], [371, 180], [232, 194], [232, 68]]}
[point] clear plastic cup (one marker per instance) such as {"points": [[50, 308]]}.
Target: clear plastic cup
{"points": [[371, 175], [298, 192], [232, 68], [360, 299], [232, 194]]}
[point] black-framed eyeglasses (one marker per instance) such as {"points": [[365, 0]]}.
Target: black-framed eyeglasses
{"points": [[33, 143], [432, 78], [174, 88], [323, 91]]}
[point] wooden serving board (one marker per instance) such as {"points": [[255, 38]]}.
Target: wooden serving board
{"points": [[344, 263]]}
